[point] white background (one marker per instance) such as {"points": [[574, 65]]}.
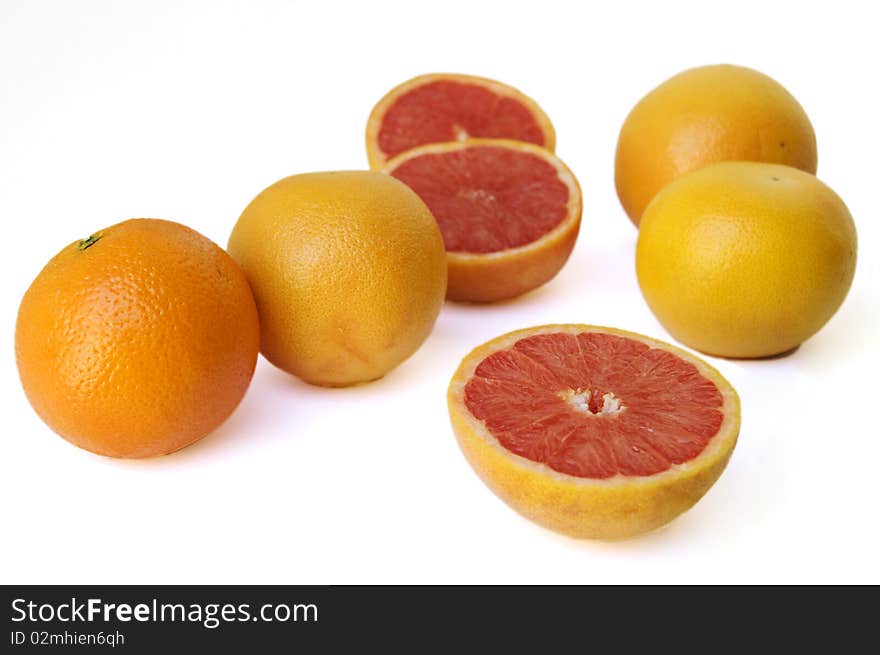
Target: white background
{"points": [[182, 110]]}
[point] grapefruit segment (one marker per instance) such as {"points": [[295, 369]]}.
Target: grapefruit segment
{"points": [[509, 212], [443, 107], [591, 431]]}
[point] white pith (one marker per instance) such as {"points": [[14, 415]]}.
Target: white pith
{"points": [[580, 400]]}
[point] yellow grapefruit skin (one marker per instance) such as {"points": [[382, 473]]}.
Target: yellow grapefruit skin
{"points": [[348, 271], [607, 509], [706, 115], [741, 259]]}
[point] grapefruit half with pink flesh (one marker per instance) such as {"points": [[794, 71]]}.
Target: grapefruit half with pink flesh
{"points": [[450, 107], [591, 431], [509, 212]]}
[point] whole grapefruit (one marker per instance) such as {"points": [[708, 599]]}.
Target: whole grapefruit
{"points": [[137, 341], [741, 259], [348, 270], [706, 115]]}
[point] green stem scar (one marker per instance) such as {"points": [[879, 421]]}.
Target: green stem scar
{"points": [[86, 243]]}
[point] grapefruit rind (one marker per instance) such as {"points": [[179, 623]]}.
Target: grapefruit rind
{"points": [[587, 508], [378, 159], [504, 274]]}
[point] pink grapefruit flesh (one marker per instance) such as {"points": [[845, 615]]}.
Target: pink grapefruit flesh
{"points": [[595, 405], [488, 198], [451, 111]]}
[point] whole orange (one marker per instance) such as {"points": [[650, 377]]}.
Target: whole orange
{"points": [[742, 259], [137, 341], [706, 115], [348, 270]]}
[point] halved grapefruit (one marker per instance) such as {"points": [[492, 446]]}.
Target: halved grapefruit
{"points": [[591, 431], [449, 107], [509, 212]]}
